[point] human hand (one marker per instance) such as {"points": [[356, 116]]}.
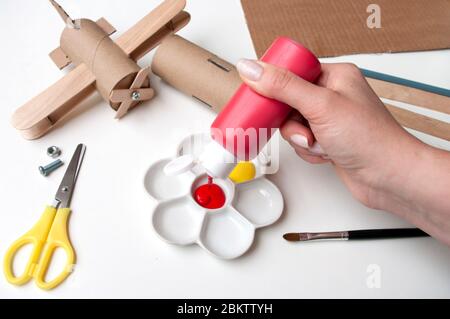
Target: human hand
{"points": [[339, 120]]}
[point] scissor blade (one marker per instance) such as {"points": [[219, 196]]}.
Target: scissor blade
{"points": [[65, 190]]}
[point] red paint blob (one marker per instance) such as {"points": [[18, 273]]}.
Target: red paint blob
{"points": [[210, 196]]}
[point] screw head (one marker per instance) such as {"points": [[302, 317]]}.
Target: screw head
{"points": [[135, 96], [43, 171]]}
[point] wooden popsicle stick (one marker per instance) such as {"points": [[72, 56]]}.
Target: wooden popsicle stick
{"points": [[60, 58], [409, 95], [61, 96], [119, 96], [132, 39], [137, 83], [420, 122], [106, 26], [176, 24]]}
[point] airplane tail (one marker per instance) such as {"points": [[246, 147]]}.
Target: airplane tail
{"points": [[63, 14]]}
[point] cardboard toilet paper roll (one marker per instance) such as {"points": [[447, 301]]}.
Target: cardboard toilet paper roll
{"points": [[112, 68], [201, 74], [196, 72]]}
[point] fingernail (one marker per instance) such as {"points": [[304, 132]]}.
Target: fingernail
{"points": [[317, 149], [300, 140], [250, 69]]}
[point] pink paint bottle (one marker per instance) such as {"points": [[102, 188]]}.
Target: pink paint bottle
{"points": [[249, 120]]}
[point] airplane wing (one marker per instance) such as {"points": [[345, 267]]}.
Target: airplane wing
{"points": [[135, 39], [40, 114]]}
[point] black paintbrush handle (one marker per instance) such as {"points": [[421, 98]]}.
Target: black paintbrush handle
{"points": [[386, 233]]}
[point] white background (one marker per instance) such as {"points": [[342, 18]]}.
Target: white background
{"points": [[118, 253]]}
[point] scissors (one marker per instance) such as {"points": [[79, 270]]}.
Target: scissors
{"points": [[48, 234]]}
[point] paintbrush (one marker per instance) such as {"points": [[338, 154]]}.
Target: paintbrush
{"points": [[358, 234]]}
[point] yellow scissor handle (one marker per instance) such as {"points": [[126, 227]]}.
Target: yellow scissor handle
{"points": [[37, 237], [46, 236], [57, 238]]}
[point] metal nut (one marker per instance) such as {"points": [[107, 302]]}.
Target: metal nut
{"points": [[54, 151]]}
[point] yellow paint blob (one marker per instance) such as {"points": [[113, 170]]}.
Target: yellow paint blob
{"points": [[243, 172]]}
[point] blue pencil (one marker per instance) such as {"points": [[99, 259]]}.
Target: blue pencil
{"points": [[405, 82]]}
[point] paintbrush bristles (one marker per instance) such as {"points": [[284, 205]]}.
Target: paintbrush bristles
{"points": [[292, 237], [316, 236]]}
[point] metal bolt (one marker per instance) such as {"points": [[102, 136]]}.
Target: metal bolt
{"points": [[135, 96], [54, 151], [47, 170]]}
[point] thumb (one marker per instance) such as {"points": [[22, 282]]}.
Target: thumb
{"points": [[280, 84]]}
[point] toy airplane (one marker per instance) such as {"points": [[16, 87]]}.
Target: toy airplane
{"points": [[101, 64]]}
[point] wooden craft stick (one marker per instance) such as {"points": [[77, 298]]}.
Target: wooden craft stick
{"points": [[409, 95], [120, 96], [176, 24], [420, 122], [137, 83], [132, 39], [37, 116]]}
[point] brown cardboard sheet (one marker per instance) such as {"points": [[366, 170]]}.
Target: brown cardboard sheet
{"points": [[339, 27]]}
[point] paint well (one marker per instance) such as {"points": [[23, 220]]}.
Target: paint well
{"points": [[210, 195]]}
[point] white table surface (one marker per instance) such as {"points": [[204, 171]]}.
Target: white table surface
{"points": [[119, 255]]}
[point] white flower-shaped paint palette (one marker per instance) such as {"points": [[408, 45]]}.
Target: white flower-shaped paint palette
{"points": [[227, 232]]}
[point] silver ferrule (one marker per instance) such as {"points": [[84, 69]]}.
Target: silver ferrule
{"points": [[341, 235]]}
